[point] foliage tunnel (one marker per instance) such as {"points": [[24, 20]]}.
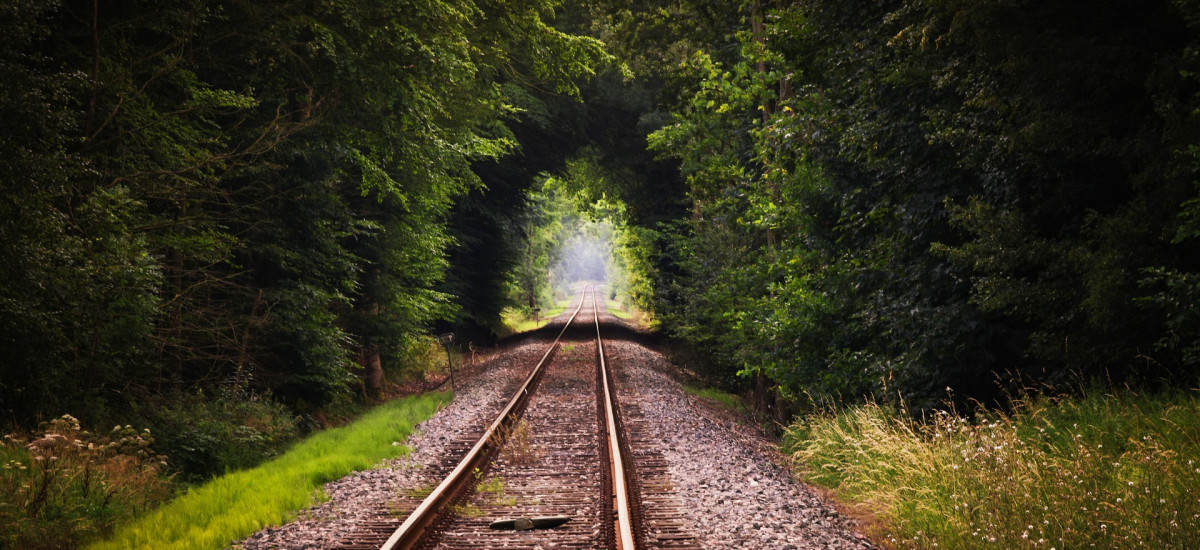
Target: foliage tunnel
{"points": [[220, 201]]}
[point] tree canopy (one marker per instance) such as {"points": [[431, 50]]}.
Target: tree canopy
{"points": [[236, 198], [215, 201], [907, 198]]}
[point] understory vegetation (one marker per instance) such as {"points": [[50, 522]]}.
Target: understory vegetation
{"points": [[67, 485], [1103, 470], [237, 504]]}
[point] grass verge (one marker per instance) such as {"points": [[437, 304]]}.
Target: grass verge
{"points": [[519, 320], [237, 504], [722, 399], [617, 309], [1102, 471]]}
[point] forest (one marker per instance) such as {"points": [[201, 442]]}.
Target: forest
{"points": [[233, 223], [915, 199]]}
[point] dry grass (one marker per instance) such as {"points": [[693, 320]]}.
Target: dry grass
{"points": [[519, 447], [1103, 471]]}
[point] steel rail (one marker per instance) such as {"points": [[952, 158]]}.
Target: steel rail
{"points": [[624, 527], [409, 533]]}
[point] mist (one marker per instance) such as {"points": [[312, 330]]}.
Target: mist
{"points": [[583, 255]]}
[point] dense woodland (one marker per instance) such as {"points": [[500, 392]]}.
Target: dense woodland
{"points": [[224, 219], [931, 200]]}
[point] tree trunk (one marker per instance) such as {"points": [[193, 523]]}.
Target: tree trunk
{"points": [[372, 373], [368, 358]]}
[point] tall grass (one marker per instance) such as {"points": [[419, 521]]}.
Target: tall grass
{"points": [[1100, 471], [235, 505]]}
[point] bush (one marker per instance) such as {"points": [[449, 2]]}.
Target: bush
{"points": [[233, 430], [69, 485]]}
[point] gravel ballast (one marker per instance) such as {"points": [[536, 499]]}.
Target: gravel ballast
{"points": [[359, 497], [730, 479]]}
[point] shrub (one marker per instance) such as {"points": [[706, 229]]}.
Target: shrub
{"points": [[68, 485], [232, 430]]}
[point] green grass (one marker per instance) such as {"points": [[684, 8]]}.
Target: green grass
{"points": [[1103, 471], [728, 401], [617, 309], [516, 320], [235, 505]]}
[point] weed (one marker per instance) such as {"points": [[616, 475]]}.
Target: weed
{"points": [[493, 486], [662, 486], [466, 510], [419, 492], [70, 485], [519, 447]]}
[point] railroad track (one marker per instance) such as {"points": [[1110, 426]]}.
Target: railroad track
{"points": [[559, 449]]}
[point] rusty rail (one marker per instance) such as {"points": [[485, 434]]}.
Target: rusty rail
{"points": [[624, 525], [409, 533]]}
